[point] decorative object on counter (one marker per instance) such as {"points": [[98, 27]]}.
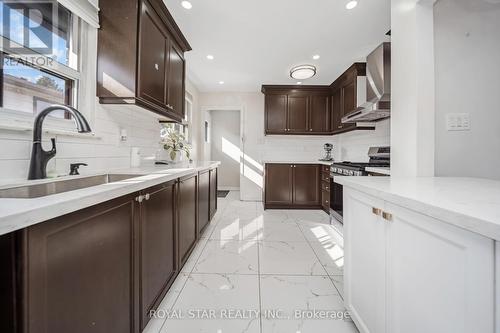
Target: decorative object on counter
{"points": [[328, 147], [135, 157], [175, 143]]}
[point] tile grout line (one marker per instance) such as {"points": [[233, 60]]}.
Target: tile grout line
{"points": [[317, 257], [188, 274]]}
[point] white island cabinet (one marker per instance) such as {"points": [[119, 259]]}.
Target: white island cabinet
{"points": [[406, 272]]}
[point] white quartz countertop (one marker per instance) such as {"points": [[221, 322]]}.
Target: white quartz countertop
{"points": [[380, 170], [469, 203], [16, 214], [299, 162]]}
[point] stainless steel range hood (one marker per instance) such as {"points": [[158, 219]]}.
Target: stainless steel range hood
{"points": [[378, 88]]}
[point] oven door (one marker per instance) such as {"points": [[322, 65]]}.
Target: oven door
{"points": [[336, 198]]}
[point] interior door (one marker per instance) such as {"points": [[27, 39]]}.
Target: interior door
{"points": [[276, 113], [279, 184], [158, 264], [187, 203], [175, 82], [298, 111], [319, 115], [365, 267], [306, 185], [152, 56]]}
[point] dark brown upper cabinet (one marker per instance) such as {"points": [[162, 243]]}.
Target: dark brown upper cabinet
{"points": [[315, 110], [140, 57], [299, 110], [347, 94], [276, 114]]}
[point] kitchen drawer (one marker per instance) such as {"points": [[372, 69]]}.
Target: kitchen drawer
{"points": [[325, 200], [325, 187], [325, 177], [325, 169]]}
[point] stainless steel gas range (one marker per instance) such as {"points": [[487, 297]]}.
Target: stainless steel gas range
{"points": [[379, 157]]}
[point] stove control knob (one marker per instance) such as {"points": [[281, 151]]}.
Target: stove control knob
{"points": [[357, 173]]}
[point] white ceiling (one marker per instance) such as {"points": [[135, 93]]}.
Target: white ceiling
{"points": [[256, 42]]}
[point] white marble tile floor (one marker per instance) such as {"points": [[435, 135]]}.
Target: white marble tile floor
{"points": [[259, 271]]}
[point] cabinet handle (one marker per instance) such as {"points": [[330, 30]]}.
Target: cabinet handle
{"points": [[147, 196], [139, 199], [157, 67], [340, 126], [326, 201], [310, 129], [377, 211], [387, 216], [327, 188]]}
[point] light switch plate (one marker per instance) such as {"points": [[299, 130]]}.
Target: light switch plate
{"points": [[458, 122]]}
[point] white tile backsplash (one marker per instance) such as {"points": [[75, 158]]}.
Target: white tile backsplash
{"points": [[103, 152], [351, 146]]}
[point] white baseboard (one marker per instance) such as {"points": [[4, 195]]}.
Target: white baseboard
{"points": [[228, 188]]}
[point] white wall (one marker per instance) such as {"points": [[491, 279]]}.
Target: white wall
{"points": [[225, 147], [412, 88], [259, 148], [467, 56]]}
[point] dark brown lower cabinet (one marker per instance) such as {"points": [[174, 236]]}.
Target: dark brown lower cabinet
{"points": [[203, 200], [101, 269], [213, 192], [292, 186], [78, 271], [158, 253], [188, 213], [306, 185], [279, 185]]}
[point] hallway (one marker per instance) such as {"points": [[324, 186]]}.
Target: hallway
{"points": [[281, 264]]}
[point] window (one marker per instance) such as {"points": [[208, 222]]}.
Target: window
{"points": [[39, 56]]}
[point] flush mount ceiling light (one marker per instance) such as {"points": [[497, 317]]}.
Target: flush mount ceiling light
{"points": [[221, 82], [303, 72], [186, 4], [316, 57], [210, 57], [351, 4]]}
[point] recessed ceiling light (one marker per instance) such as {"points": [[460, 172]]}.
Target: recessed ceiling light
{"points": [[221, 82], [303, 72], [210, 57], [316, 57], [351, 4], [186, 4], [299, 82]]}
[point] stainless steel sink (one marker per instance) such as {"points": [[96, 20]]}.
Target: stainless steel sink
{"points": [[61, 186]]}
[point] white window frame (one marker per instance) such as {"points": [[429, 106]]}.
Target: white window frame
{"points": [[83, 76]]}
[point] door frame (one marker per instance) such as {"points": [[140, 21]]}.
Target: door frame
{"points": [[242, 110]]}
